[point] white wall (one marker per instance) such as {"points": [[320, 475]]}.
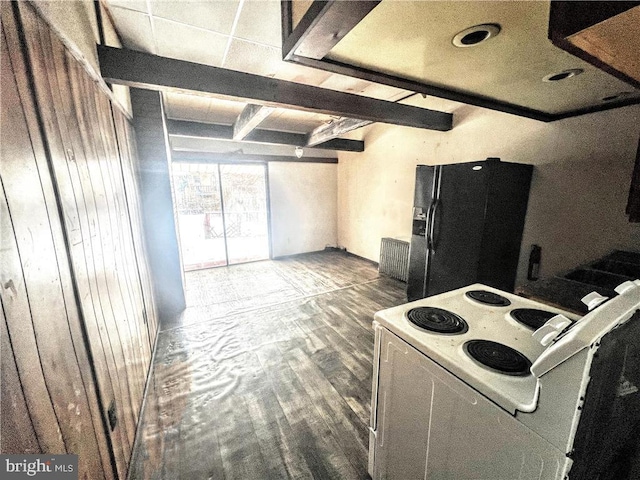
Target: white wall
{"points": [[303, 201], [581, 179]]}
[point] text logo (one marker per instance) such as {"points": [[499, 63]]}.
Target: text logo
{"points": [[50, 467]]}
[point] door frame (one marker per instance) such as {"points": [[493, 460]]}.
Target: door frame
{"points": [[265, 166]]}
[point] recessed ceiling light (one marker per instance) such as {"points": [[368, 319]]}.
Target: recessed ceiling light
{"points": [[556, 77], [473, 36]]}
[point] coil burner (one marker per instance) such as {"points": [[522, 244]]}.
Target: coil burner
{"points": [[498, 357], [437, 320]]}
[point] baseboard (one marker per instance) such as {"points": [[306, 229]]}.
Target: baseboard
{"points": [[328, 249]]}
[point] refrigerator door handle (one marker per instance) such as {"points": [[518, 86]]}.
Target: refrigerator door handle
{"points": [[427, 231], [431, 242], [437, 182]]}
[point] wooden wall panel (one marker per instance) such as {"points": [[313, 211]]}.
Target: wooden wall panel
{"points": [[25, 349], [80, 319], [18, 433], [71, 176], [122, 225], [48, 348], [74, 103], [128, 154]]}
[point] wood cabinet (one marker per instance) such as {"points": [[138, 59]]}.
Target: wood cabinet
{"points": [[603, 33], [79, 321]]}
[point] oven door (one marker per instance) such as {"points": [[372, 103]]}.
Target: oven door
{"points": [[431, 425]]}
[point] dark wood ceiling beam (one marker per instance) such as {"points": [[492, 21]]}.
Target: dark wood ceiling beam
{"points": [[249, 119], [183, 128], [211, 157], [143, 70], [421, 88], [323, 25], [334, 129]]}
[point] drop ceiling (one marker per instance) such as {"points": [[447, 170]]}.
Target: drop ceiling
{"points": [[241, 35], [403, 39]]}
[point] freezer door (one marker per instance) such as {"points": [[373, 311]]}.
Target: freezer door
{"points": [[423, 193], [458, 224], [418, 250], [507, 200]]}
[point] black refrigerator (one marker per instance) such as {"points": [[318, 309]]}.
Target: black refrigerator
{"points": [[467, 225]]}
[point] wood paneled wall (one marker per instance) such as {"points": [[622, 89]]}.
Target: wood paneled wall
{"points": [[78, 320]]}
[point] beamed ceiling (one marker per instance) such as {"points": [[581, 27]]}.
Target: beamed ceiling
{"points": [[376, 54]]}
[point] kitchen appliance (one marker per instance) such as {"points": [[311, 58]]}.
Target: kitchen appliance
{"points": [[467, 225], [481, 384]]}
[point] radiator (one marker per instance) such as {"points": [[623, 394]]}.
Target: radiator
{"points": [[394, 258]]}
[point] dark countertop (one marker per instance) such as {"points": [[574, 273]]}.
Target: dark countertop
{"points": [[561, 293], [602, 276]]}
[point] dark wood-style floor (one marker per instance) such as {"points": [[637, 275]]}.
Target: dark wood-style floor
{"points": [[267, 375]]}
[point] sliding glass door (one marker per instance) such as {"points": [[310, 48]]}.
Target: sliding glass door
{"points": [[222, 213], [244, 206]]}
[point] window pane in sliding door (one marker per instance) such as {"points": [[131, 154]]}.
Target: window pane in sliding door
{"points": [[199, 215], [244, 200]]}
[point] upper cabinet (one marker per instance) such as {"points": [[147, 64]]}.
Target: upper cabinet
{"points": [[605, 34]]}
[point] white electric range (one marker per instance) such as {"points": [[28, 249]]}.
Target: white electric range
{"points": [[463, 389]]}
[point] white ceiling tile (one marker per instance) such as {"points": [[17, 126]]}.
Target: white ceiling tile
{"points": [[294, 121], [217, 16], [260, 22], [111, 37], [196, 108], [192, 44], [186, 107], [138, 5], [134, 29], [299, 74], [223, 111], [251, 57]]}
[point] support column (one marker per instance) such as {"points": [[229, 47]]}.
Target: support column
{"points": [[157, 202]]}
